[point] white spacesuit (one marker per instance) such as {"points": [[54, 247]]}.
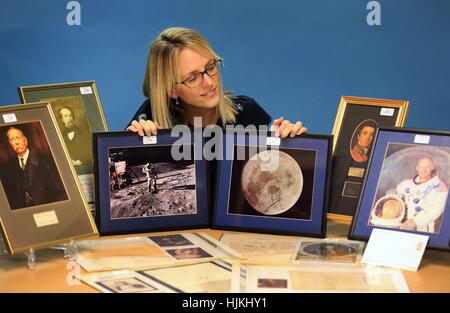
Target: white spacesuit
{"points": [[152, 175], [425, 201]]}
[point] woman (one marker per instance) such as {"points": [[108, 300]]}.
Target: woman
{"points": [[182, 81]]}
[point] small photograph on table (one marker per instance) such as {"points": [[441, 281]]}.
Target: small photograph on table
{"points": [[127, 285], [170, 240], [189, 253], [326, 251], [272, 283]]}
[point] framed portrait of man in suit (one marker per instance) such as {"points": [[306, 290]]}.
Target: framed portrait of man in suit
{"points": [[29, 174], [354, 128], [41, 202], [78, 111]]}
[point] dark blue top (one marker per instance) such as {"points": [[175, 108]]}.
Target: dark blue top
{"points": [[249, 112]]}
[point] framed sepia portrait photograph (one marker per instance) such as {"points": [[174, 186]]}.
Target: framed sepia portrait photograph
{"points": [[272, 185], [143, 186], [41, 202], [354, 128], [406, 187], [78, 111]]}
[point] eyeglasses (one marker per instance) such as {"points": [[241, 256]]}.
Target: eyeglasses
{"points": [[196, 79]]}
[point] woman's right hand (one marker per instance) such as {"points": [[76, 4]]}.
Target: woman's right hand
{"points": [[144, 127]]}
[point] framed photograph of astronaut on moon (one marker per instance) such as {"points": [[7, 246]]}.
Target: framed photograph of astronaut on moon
{"points": [[274, 186], [41, 202], [78, 111], [406, 188], [356, 122], [144, 187]]}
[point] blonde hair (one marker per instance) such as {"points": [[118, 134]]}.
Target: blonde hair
{"points": [[162, 74]]}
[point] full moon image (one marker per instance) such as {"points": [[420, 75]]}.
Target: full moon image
{"points": [[272, 191]]}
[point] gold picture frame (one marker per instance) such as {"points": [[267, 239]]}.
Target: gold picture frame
{"points": [[356, 121], [41, 200], [79, 113]]}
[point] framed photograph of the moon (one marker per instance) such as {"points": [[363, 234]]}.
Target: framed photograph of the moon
{"points": [[273, 185], [149, 183], [356, 121], [406, 188]]}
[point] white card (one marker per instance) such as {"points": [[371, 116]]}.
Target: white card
{"points": [[395, 249], [425, 139], [387, 112], [9, 118], [149, 140], [273, 141], [86, 90]]}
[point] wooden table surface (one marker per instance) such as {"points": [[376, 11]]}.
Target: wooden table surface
{"points": [[52, 269]]}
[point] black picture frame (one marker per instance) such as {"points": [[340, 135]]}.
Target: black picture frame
{"points": [[239, 206], [357, 119], [392, 192], [174, 195]]}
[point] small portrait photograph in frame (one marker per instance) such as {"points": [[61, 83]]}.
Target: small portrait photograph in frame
{"points": [[28, 171], [356, 121], [74, 127], [41, 200], [407, 186], [274, 188], [362, 140], [143, 187], [79, 112]]}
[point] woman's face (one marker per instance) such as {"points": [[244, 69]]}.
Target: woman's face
{"points": [[205, 95]]}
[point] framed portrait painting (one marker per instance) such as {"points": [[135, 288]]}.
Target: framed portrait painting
{"points": [[406, 187], [149, 183], [270, 185], [78, 111], [356, 121], [41, 202]]}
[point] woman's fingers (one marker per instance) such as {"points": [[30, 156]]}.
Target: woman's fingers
{"points": [[149, 127], [297, 126], [136, 128], [144, 127], [302, 130], [278, 121], [285, 129]]}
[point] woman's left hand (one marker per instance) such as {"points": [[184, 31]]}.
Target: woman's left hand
{"points": [[284, 128]]}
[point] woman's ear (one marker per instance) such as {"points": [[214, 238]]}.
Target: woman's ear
{"points": [[174, 94]]}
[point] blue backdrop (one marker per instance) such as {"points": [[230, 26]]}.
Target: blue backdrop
{"points": [[295, 57]]}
